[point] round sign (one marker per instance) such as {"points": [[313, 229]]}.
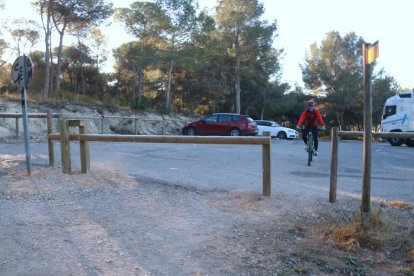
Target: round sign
{"points": [[22, 70]]}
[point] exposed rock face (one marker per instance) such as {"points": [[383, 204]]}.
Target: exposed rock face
{"points": [[99, 121]]}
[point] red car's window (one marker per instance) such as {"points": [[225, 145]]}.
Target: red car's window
{"points": [[224, 118], [235, 117], [212, 118]]}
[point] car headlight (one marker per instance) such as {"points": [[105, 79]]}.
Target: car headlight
{"points": [[291, 131]]}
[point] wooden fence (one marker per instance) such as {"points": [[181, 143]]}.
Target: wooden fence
{"points": [[64, 137], [18, 116], [264, 141], [335, 137]]}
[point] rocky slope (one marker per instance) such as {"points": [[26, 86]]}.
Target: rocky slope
{"points": [[99, 121]]}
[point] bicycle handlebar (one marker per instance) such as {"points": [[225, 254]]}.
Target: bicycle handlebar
{"points": [[322, 129]]}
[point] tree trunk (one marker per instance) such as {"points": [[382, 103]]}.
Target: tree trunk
{"points": [[140, 75], [340, 119], [237, 76], [169, 77], [263, 105], [167, 95], [83, 79], [51, 78], [59, 61], [139, 87], [47, 29], [134, 81]]}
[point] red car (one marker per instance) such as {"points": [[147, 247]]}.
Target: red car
{"points": [[222, 124]]}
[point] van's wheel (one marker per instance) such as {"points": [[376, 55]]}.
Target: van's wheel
{"points": [[234, 132], [409, 143], [396, 142]]}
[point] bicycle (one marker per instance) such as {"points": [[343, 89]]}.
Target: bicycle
{"points": [[310, 146]]}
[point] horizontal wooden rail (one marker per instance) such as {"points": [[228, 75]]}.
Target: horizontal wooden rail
{"points": [[17, 116], [360, 134], [335, 135], [165, 139], [64, 137]]}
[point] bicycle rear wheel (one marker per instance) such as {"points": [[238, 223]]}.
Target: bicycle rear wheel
{"points": [[310, 149]]}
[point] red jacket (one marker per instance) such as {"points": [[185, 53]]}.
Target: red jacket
{"points": [[311, 118]]}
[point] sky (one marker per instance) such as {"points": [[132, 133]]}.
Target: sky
{"points": [[304, 22]]}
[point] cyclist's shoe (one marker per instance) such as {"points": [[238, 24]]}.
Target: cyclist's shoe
{"points": [[316, 153]]}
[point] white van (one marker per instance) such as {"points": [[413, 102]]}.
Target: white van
{"points": [[398, 116]]}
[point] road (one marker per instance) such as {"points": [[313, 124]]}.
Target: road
{"points": [[229, 167]]}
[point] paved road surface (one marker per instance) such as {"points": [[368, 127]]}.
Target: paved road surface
{"points": [[227, 167]]}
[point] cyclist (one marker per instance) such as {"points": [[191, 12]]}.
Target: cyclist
{"points": [[312, 118]]}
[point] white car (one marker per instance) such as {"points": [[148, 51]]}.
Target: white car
{"points": [[276, 130]]}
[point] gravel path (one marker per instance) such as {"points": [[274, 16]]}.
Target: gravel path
{"points": [[107, 223]]}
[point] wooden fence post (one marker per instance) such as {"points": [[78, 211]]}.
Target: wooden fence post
{"points": [[102, 124], [334, 164], [266, 166], [49, 141], [84, 150], [367, 138], [65, 147]]}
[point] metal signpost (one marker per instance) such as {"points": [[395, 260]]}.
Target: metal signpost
{"points": [[22, 74]]}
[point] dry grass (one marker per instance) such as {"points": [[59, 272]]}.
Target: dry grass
{"points": [[371, 233], [64, 96], [12, 96], [400, 204], [379, 232], [16, 97]]}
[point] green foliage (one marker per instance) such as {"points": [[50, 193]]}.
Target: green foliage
{"points": [[69, 96], [295, 104], [5, 80], [74, 12], [36, 85], [25, 34], [200, 64], [110, 105], [142, 20], [186, 57], [333, 72], [140, 104], [247, 42], [3, 47], [383, 87], [134, 103]]}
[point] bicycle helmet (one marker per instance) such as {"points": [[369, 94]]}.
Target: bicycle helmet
{"points": [[310, 105]]}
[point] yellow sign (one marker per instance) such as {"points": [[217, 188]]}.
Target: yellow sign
{"points": [[372, 52]]}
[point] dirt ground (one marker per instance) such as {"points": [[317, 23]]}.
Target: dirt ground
{"points": [[104, 223]]}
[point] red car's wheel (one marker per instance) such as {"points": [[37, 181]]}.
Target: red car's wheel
{"points": [[234, 132], [191, 131]]}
